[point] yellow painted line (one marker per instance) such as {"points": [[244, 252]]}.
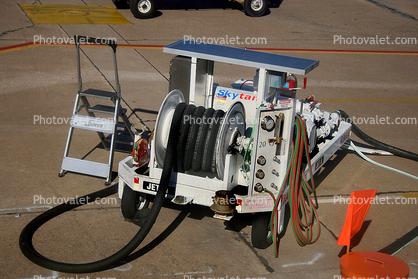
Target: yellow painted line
{"points": [[410, 195], [73, 14], [141, 46], [369, 100]]}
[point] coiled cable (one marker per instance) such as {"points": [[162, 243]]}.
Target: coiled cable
{"points": [[25, 240]]}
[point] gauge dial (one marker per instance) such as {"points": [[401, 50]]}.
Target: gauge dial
{"points": [[268, 123]]}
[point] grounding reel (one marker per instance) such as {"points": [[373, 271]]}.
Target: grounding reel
{"points": [[205, 135]]}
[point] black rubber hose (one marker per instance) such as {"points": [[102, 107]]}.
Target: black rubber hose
{"points": [[378, 144], [25, 240]]}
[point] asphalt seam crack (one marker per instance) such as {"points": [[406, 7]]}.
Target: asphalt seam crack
{"points": [[392, 9], [149, 62], [261, 258], [18, 29], [331, 232], [14, 30]]}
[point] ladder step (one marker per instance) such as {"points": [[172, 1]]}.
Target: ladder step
{"points": [[122, 139], [122, 127], [105, 109], [85, 167], [107, 95], [93, 123]]}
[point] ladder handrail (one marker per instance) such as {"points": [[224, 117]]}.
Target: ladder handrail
{"points": [[111, 43]]}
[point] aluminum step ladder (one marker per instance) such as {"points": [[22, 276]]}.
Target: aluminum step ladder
{"points": [[90, 122]]}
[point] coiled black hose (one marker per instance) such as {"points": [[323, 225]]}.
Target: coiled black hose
{"points": [[25, 240], [378, 144]]}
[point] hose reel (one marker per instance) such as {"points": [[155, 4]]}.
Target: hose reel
{"points": [[204, 135]]}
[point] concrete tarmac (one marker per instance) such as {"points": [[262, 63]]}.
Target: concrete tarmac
{"points": [[370, 81]]}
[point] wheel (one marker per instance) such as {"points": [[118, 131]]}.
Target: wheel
{"points": [[143, 8], [132, 202], [261, 232], [62, 173], [256, 8], [121, 4]]}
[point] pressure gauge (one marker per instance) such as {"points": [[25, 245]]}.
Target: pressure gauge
{"points": [[268, 123]]}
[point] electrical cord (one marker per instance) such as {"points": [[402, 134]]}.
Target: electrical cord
{"points": [[25, 240], [302, 210], [400, 249], [378, 164], [378, 144]]}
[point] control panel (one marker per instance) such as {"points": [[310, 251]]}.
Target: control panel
{"points": [[272, 138]]}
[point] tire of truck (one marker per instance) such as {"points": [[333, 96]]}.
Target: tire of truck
{"points": [[143, 8], [132, 201], [261, 237], [121, 4], [256, 8]]}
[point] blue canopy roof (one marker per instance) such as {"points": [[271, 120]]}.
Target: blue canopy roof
{"points": [[244, 57]]}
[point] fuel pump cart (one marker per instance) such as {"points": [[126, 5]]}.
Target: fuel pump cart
{"points": [[236, 145]]}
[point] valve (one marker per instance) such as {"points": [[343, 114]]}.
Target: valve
{"points": [[260, 174], [261, 160], [258, 188]]}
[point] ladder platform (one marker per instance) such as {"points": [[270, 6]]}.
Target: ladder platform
{"points": [[105, 109], [93, 123], [85, 167], [95, 93]]}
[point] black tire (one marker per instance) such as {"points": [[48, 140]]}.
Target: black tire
{"points": [[256, 8], [121, 4], [132, 202], [261, 232], [143, 8]]}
